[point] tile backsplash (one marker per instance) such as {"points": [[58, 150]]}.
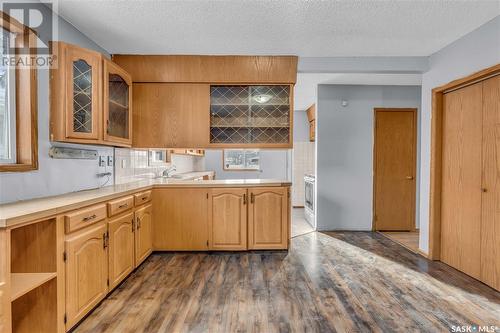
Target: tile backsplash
{"points": [[132, 165]]}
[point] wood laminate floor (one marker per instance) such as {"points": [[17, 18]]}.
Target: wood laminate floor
{"points": [[408, 239], [327, 282]]}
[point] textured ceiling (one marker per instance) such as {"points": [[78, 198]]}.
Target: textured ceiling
{"points": [[304, 28]]}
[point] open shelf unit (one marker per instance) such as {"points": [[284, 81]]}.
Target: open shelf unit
{"points": [[33, 277]]}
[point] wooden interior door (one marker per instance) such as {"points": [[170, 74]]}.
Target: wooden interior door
{"points": [[268, 218], [86, 271], [394, 169], [143, 234], [121, 248], [461, 179], [228, 219], [490, 198]]}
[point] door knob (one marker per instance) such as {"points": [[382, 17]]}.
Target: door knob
{"points": [[409, 177]]}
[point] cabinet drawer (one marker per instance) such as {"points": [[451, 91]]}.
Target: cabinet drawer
{"points": [[84, 217], [120, 205], [142, 197]]}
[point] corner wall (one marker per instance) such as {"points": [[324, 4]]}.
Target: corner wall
{"points": [[344, 174], [475, 51], [55, 176]]}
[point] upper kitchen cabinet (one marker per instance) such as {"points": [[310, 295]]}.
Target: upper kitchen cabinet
{"points": [[171, 115], [256, 116], [83, 85], [117, 104], [211, 101]]}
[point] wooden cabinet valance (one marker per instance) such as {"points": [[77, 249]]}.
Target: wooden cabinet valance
{"points": [[209, 69]]}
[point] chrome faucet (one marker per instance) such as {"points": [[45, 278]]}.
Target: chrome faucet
{"points": [[166, 172]]}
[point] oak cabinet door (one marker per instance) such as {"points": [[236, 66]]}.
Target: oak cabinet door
{"points": [[268, 218], [121, 248], [86, 271], [117, 105], [228, 219], [181, 219], [143, 236], [173, 115], [83, 93]]}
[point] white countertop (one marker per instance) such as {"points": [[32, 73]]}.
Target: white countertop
{"points": [[28, 210]]}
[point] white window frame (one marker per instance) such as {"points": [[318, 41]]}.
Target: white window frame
{"points": [[245, 166], [11, 115]]}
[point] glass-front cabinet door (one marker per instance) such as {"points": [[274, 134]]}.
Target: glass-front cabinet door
{"points": [[251, 116], [117, 105], [83, 93]]}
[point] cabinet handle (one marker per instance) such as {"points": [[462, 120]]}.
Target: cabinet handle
{"points": [[123, 206], [484, 190], [252, 198], [133, 225], [104, 245], [138, 223], [244, 199], [88, 218]]}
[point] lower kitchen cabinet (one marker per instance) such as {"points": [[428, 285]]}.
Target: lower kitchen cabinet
{"points": [[86, 271], [143, 236], [228, 219], [268, 218], [181, 219], [121, 248]]}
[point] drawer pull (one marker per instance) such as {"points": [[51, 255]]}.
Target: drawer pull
{"points": [[144, 198], [125, 205], [88, 218]]}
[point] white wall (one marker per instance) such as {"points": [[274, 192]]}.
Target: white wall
{"points": [[274, 163], [344, 172], [471, 53], [54, 176]]}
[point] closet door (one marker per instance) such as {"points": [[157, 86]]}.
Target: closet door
{"points": [[461, 179], [490, 220]]}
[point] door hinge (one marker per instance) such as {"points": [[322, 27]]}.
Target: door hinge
{"points": [[65, 318], [107, 282], [65, 256]]}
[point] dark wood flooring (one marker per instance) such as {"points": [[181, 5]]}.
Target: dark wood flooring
{"points": [[327, 282]]}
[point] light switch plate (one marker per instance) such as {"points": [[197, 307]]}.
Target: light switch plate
{"points": [[102, 161], [110, 160]]}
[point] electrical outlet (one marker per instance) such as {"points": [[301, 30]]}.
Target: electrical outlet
{"points": [[110, 160], [102, 161]]}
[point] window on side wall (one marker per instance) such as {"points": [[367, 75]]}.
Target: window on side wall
{"points": [[18, 98], [7, 106], [241, 159]]}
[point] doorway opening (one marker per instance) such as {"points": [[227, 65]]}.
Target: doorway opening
{"points": [[394, 175]]}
